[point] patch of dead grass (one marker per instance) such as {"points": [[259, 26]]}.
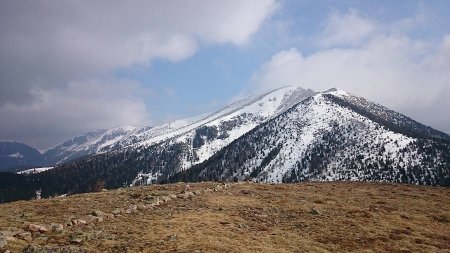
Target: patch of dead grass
{"points": [[350, 217]]}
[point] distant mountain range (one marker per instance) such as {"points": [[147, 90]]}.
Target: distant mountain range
{"points": [[286, 135], [18, 156]]}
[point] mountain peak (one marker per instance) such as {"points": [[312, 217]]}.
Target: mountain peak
{"points": [[330, 90]]}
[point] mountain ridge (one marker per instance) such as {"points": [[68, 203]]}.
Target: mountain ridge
{"points": [[287, 135]]}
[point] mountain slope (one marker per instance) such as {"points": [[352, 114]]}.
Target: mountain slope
{"points": [[17, 155], [333, 136], [232, 121], [87, 144]]}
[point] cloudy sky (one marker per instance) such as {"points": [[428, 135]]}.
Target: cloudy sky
{"points": [[68, 67]]}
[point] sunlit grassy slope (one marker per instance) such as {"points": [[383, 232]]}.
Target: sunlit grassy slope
{"points": [[246, 217]]}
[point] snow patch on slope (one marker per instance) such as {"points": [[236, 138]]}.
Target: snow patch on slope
{"points": [[34, 170]]}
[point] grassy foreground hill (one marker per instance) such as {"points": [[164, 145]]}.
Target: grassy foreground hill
{"points": [[243, 217]]}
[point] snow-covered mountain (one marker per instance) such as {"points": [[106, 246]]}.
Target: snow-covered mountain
{"points": [[87, 144], [285, 135], [333, 136], [16, 155], [222, 127]]}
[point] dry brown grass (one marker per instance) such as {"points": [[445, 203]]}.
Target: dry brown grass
{"points": [[305, 217]]}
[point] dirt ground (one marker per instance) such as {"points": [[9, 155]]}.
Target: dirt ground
{"points": [[245, 217]]}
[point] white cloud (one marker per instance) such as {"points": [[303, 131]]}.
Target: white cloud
{"points": [[47, 47], [50, 43], [350, 28], [406, 75]]}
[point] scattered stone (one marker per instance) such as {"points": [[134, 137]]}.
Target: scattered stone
{"points": [[313, 211], [131, 209], [33, 228], [156, 202], [69, 221], [187, 188], [26, 236], [117, 211], [3, 242], [242, 226], [78, 222], [7, 251], [182, 196], [57, 228], [98, 213], [76, 240], [173, 238], [57, 249], [38, 228], [142, 207], [190, 194], [172, 196], [44, 229], [26, 215], [165, 199], [93, 219], [11, 232], [9, 238], [405, 216]]}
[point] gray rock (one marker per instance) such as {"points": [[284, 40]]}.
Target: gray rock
{"points": [[11, 232], [57, 228], [53, 249], [3, 242], [76, 240], [173, 238], [165, 199], [38, 228], [78, 222], [182, 196], [313, 211], [26, 236], [142, 207], [98, 213], [131, 209], [92, 219]]}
